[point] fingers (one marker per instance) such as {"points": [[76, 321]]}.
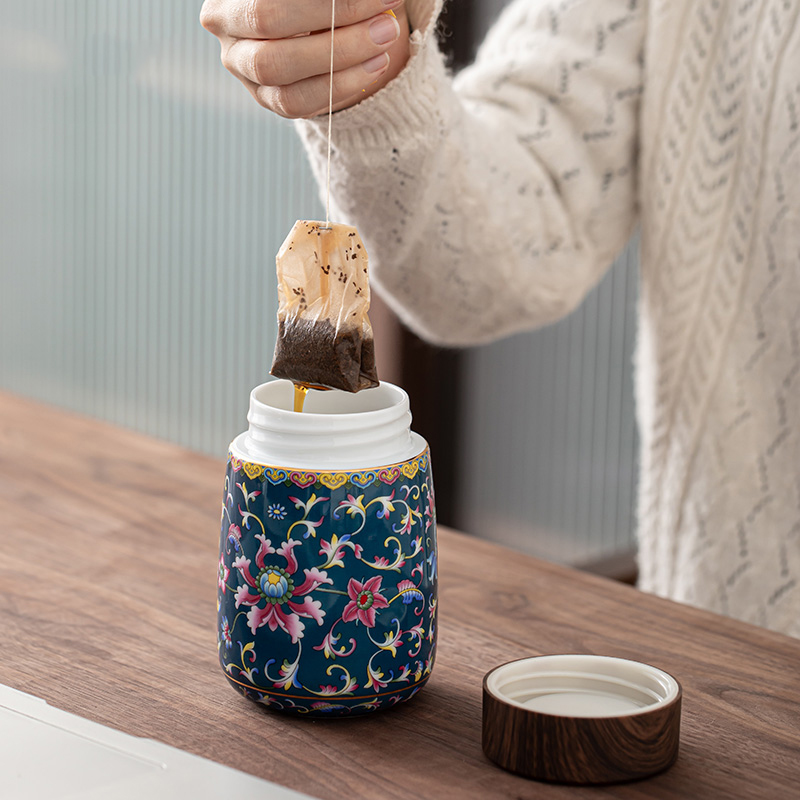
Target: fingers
{"points": [[280, 49], [279, 62], [309, 97], [279, 19]]}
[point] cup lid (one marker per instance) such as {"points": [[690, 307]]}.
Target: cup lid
{"points": [[581, 718]]}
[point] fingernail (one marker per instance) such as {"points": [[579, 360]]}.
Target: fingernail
{"points": [[384, 30], [376, 63]]}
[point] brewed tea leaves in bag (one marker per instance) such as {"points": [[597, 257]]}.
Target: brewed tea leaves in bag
{"points": [[324, 333]]}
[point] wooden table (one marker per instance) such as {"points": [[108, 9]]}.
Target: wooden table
{"points": [[107, 609]]}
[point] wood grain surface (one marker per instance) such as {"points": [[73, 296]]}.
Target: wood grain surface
{"points": [[580, 750], [108, 562]]}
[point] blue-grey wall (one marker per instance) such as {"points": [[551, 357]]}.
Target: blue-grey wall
{"points": [[144, 196], [549, 437]]}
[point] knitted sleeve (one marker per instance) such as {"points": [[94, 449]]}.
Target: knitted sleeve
{"points": [[493, 202]]}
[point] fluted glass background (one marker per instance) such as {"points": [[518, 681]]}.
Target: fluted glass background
{"points": [[549, 435], [144, 195]]}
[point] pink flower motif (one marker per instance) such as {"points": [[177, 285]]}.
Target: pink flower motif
{"points": [[389, 475], [364, 599], [303, 479], [234, 537], [222, 574], [428, 513], [409, 591], [271, 592]]}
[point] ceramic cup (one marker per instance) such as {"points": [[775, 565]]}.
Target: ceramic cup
{"points": [[327, 569]]}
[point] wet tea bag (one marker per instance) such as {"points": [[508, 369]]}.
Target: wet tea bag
{"points": [[324, 334]]}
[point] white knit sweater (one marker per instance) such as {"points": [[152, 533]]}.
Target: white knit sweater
{"points": [[494, 202]]}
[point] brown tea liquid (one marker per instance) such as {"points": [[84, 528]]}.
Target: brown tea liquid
{"points": [[300, 392]]}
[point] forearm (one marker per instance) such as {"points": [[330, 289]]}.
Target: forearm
{"points": [[495, 205]]}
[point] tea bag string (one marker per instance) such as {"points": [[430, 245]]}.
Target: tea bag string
{"points": [[330, 120]]}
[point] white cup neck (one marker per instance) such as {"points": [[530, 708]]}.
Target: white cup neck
{"points": [[336, 430]]}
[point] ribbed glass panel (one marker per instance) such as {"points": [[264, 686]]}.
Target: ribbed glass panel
{"points": [[549, 438], [144, 196]]}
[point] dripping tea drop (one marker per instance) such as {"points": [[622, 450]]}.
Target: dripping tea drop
{"points": [[300, 392]]}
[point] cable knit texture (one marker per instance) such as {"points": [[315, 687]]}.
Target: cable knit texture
{"points": [[493, 202]]}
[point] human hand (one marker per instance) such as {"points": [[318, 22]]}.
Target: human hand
{"points": [[281, 49]]}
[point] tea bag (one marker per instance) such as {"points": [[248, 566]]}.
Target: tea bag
{"points": [[324, 333]]}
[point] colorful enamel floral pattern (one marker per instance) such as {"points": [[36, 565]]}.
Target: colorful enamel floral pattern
{"points": [[327, 585]]}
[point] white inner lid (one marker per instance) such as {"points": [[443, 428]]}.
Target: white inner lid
{"points": [[582, 685]]}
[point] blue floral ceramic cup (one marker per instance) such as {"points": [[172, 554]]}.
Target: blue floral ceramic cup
{"points": [[327, 570]]}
